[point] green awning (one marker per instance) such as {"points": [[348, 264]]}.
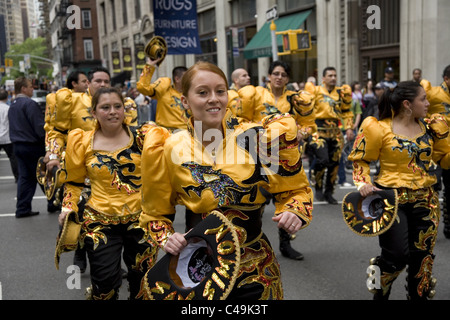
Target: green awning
{"points": [[261, 44]]}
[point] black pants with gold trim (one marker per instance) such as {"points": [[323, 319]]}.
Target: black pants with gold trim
{"points": [[410, 242], [106, 241], [326, 149]]}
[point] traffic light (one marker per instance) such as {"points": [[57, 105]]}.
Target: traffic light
{"points": [[8, 62], [295, 41]]}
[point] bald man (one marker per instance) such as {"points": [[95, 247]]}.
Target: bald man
{"points": [[240, 78]]}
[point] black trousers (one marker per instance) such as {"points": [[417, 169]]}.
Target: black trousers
{"points": [[9, 149], [410, 242], [105, 243], [326, 152], [27, 156]]}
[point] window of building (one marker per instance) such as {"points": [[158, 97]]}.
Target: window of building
{"points": [[206, 21], [124, 12], [137, 9], [113, 13], [86, 18], [102, 6], [88, 49], [243, 11]]}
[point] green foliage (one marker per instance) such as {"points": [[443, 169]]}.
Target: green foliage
{"points": [[33, 47]]}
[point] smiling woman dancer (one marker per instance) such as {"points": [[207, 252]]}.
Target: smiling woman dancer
{"points": [[188, 168], [110, 156], [405, 144]]}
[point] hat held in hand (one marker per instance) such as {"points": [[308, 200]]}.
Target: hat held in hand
{"points": [[206, 269], [372, 215], [156, 49]]}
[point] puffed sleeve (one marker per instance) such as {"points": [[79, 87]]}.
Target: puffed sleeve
{"points": [[144, 85], [287, 179], [346, 106], [131, 115], [249, 101], [74, 170], [49, 117], [302, 104], [366, 149], [426, 85], [62, 121], [440, 130], [142, 131], [158, 203]]}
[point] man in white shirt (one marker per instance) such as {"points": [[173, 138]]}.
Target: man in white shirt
{"points": [[5, 141]]}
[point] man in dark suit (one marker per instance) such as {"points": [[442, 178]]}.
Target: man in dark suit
{"points": [[26, 130]]}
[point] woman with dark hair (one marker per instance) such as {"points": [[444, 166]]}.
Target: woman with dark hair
{"points": [[405, 143], [209, 167], [110, 156], [255, 103]]}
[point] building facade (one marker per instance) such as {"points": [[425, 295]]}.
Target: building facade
{"points": [[74, 35], [358, 37]]}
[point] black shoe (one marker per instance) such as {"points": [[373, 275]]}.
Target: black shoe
{"points": [[289, 252], [329, 198], [286, 248], [79, 259], [319, 195], [28, 214], [53, 209], [447, 232]]}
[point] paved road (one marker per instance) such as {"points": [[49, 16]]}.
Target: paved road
{"points": [[333, 269]]}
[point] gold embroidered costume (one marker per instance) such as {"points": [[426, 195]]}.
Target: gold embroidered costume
{"points": [[73, 110], [254, 103], [439, 99], [110, 216], [404, 165], [50, 114], [325, 146], [170, 112], [404, 162], [178, 169]]}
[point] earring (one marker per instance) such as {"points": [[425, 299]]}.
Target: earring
{"points": [[409, 114]]}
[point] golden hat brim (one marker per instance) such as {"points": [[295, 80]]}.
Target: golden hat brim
{"points": [[67, 239], [156, 49], [222, 254], [372, 215]]}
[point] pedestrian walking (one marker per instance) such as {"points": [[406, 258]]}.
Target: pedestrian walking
{"points": [[26, 130], [5, 141]]}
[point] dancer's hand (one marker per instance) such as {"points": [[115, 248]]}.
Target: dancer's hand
{"points": [[288, 221], [175, 244]]}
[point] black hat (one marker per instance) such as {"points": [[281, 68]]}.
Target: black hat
{"points": [[389, 70], [372, 215], [206, 269]]}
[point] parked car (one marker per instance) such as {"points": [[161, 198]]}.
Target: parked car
{"points": [[39, 96]]}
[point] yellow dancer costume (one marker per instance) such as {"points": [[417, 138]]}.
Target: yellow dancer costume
{"points": [[179, 170], [254, 103], [325, 146], [170, 112], [404, 165], [439, 99], [73, 110], [110, 216], [50, 114]]}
